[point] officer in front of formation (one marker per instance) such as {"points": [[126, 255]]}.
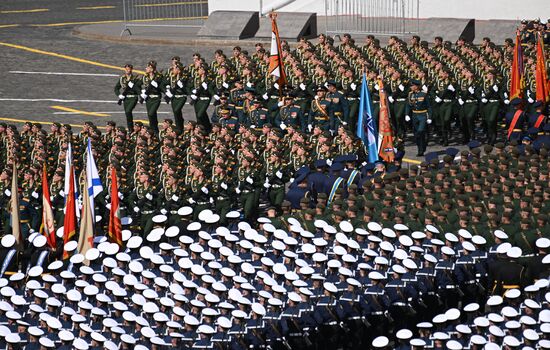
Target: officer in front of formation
{"points": [[151, 93], [321, 113], [289, 114], [176, 84], [418, 111], [127, 89]]}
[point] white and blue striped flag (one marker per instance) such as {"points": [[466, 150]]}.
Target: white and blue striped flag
{"points": [[92, 175]]}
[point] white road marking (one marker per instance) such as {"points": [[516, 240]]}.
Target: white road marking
{"points": [[55, 100], [65, 73]]}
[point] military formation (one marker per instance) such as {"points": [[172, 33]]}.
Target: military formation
{"points": [[263, 225], [466, 86]]}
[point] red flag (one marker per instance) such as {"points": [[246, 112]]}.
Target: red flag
{"points": [[541, 75], [69, 224], [14, 209], [516, 75], [115, 225], [48, 228], [385, 133], [276, 66]]}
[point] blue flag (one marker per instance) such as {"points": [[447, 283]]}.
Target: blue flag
{"points": [[366, 127]]}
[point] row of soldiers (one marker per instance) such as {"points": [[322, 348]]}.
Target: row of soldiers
{"points": [[277, 284], [463, 82]]}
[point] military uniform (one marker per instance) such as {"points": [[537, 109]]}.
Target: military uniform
{"points": [[127, 89]]}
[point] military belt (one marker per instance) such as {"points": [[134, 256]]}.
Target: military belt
{"points": [[277, 186], [401, 99], [204, 98], [238, 107], [131, 95], [273, 96], [352, 98], [147, 212], [447, 100], [173, 211], [24, 221], [450, 287], [493, 100], [153, 96], [518, 130], [421, 111], [470, 101], [321, 118], [470, 282], [179, 96], [221, 198], [377, 313], [202, 203], [511, 286]]}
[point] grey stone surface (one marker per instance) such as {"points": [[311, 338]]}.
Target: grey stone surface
{"points": [[232, 25]]}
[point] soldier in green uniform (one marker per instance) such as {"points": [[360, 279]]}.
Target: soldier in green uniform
{"points": [[151, 93], [127, 89], [276, 177], [468, 102], [445, 92], [172, 199], [199, 191], [321, 113], [257, 115], [418, 110], [219, 185], [176, 83], [144, 201], [247, 185], [201, 94], [289, 114], [490, 99]]}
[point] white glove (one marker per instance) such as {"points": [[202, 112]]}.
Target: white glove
{"points": [[390, 99], [302, 86], [249, 180], [34, 194], [169, 94], [136, 210], [283, 126], [121, 97], [280, 104], [225, 85], [407, 118], [291, 180], [62, 193], [424, 88], [223, 185], [451, 87], [276, 86], [437, 99], [471, 89], [279, 174], [310, 127], [191, 201], [530, 100], [204, 85], [266, 184], [331, 132], [316, 97], [51, 198], [401, 87], [353, 86], [460, 101], [484, 100], [507, 101], [495, 88], [211, 200], [175, 198], [252, 126], [180, 84], [194, 91], [249, 84], [163, 211], [154, 83], [376, 87], [120, 196], [237, 190], [204, 190], [329, 162], [265, 97], [130, 84], [7, 193], [344, 123], [429, 121], [194, 97], [149, 196], [143, 96], [505, 95], [216, 97]]}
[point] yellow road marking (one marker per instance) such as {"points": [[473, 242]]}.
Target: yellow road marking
{"points": [[20, 120], [118, 21], [67, 57], [95, 7], [23, 11], [142, 120], [9, 25], [174, 3], [412, 161], [67, 109]]}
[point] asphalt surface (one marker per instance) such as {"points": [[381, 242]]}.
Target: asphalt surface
{"points": [[50, 74]]}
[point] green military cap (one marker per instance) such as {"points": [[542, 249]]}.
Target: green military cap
{"points": [[304, 200], [499, 145], [369, 204], [322, 196], [321, 206], [387, 210], [353, 209], [310, 211], [286, 204], [340, 213], [488, 148]]}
